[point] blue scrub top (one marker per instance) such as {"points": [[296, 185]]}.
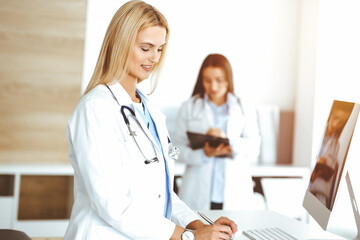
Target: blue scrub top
{"points": [[221, 116], [145, 114]]}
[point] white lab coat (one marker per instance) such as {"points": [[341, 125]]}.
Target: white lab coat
{"points": [[242, 130], [118, 196]]}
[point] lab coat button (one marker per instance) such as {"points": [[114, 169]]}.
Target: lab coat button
{"points": [[159, 196]]}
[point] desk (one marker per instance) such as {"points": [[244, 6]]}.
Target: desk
{"points": [[32, 209], [13, 178], [266, 218], [259, 172], [280, 171], [262, 171], [268, 181]]}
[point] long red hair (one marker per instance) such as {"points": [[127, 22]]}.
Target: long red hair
{"points": [[214, 60]]}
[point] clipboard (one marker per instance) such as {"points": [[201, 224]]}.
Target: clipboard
{"points": [[198, 140]]}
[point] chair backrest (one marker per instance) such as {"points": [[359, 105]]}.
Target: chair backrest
{"points": [[268, 117], [276, 128], [10, 234]]}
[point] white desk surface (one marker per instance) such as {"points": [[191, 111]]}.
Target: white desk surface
{"points": [[66, 168], [279, 171], [262, 170], [247, 220], [37, 168]]}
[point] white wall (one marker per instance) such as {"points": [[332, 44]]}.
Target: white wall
{"points": [[338, 77], [258, 37], [271, 44], [338, 59], [305, 86]]}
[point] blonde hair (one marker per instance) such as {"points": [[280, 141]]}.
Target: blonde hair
{"points": [[119, 41]]}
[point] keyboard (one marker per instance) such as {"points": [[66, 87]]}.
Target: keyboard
{"points": [[272, 233]]}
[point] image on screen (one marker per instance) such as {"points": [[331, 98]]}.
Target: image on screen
{"points": [[324, 180]]}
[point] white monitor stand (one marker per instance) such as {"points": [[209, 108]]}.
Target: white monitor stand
{"points": [[354, 206]]}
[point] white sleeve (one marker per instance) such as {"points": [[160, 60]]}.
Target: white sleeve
{"points": [[182, 214], [187, 155], [99, 166]]}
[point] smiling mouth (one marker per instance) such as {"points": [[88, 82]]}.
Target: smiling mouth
{"points": [[147, 67]]}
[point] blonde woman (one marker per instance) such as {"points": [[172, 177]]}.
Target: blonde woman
{"points": [[119, 146]]}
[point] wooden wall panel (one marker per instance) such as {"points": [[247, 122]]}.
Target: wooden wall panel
{"points": [[41, 55], [285, 138]]}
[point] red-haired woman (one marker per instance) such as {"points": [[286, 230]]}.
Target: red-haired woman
{"points": [[212, 181]]}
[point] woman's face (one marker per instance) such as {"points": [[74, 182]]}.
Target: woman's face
{"points": [[147, 51], [215, 84]]}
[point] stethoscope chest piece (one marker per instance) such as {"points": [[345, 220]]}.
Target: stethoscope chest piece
{"points": [[155, 159], [174, 151]]}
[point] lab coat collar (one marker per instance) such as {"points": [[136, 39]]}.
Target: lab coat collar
{"points": [[200, 104], [122, 96], [230, 99]]}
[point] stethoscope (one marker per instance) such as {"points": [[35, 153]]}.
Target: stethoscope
{"points": [[133, 133], [173, 151]]}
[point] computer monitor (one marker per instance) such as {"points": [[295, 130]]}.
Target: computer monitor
{"points": [[328, 172]]}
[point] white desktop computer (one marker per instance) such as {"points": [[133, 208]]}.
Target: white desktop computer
{"points": [[329, 179], [330, 171]]}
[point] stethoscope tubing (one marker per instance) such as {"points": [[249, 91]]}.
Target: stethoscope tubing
{"points": [[174, 151], [133, 133]]}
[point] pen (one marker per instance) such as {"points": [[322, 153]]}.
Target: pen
{"points": [[208, 220]]}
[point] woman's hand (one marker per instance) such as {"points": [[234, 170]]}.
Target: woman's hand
{"points": [[216, 151], [219, 150], [228, 222], [213, 232], [223, 228], [216, 132]]}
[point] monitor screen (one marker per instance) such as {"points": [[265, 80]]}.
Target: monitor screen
{"points": [[326, 175]]}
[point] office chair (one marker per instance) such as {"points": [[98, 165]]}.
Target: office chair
{"points": [[9, 234]]}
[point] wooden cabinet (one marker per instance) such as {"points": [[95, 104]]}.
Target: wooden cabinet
{"points": [[45, 197], [36, 199], [6, 198]]}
